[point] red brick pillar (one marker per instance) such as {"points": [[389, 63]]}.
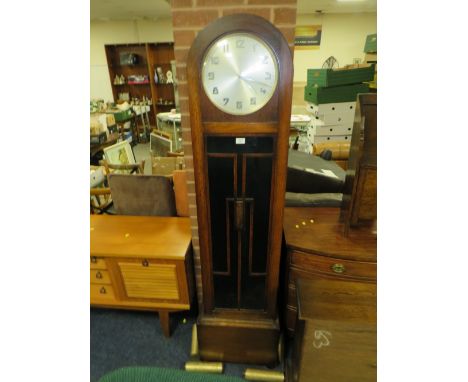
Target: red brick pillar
{"points": [[188, 18]]}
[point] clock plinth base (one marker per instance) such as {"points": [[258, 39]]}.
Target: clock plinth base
{"points": [[238, 340]]}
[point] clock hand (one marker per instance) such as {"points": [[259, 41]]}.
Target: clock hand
{"points": [[258, 82], [246, 83]]}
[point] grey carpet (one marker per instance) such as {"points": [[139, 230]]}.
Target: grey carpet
{"points": [[122, 338]]}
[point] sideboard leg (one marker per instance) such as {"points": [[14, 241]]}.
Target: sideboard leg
{"points": [[165, 322]]}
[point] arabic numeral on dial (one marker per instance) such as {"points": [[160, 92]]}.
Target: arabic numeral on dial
{"points": [[254, 47], [211, 75], [240, 43], [215, 90], [253, 101], [262, 90], [226, 48], [239, 104], [225, 100], [215, 60], [267, 76], [265, 60]]}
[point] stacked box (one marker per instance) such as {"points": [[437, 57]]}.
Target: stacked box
{"points": [[371, 43], [331, 122], [319, 95], [370, 49], [331, 98], [349, 75]]}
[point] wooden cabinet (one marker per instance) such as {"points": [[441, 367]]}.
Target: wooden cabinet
{"points": [[335, 337], [330, 297], [149, 56], [360, 188], [318, 249], [141, 262]]}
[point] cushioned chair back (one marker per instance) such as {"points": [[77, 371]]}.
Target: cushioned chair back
{"points": [[148, 195]]}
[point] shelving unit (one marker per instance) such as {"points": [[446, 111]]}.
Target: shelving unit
{"points": [[150, 56]]}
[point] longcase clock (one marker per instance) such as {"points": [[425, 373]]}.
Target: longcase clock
{"points": [[240, 82]]}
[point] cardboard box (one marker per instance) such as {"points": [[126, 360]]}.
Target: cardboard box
{"points": [[334, 130], [330, 108], [336, 114], [371, 58], [110, 120], [331, 138], [318, 95], [166, 165], [371, 43], [97, 123], [350, 74]]}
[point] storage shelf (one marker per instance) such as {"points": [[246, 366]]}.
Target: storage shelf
{"points": [[150, 56]]}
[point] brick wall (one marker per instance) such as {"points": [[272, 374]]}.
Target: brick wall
{"points": [[188, 18]]}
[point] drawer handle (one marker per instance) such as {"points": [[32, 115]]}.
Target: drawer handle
{"points": [[338, 268], [98, 275], [144, 263], [102, 290], [93, 259]]}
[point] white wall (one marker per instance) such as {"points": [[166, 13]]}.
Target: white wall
{"points": [[120, 32], [343, 36]]}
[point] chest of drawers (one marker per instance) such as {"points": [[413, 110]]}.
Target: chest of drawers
{"points": [[335, 337], [141, 262], [317, 249]]}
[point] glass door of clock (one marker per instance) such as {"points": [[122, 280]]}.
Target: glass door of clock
{"points": [[239, 173]]}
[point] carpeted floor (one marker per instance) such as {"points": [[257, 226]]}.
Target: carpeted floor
{"points": [[122, 338]]}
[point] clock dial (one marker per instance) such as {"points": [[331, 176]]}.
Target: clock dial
{"points": [[239, 74]]}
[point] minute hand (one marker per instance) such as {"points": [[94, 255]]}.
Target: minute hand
{"points": [[258, 82]]}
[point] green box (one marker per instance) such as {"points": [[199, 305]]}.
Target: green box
{"points": [[342, 76], [371, 43], [122, 116], [318, 95]]}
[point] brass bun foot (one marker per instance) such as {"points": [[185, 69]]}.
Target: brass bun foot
{"points": [[195, 365], [263, 375]]}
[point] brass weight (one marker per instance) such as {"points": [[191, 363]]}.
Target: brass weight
{"points": [[195, 365], [263, 375]]}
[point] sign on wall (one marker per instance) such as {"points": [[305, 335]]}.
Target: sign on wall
{"points": [[308, 37]]}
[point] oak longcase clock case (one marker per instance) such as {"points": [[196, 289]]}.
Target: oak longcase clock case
{"points": [[239, 74]]}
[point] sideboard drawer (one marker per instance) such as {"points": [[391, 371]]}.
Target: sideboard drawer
{"points": [[97, 263], [346, 269], [98, 276], [101, 293]]}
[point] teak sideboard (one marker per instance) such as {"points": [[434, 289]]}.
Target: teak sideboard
{"points": [[141, 263]]}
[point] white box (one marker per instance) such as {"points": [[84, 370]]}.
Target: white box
{"points": [[316, 123], [333, 130], [335, 118], [329, 108], [331, 138]]}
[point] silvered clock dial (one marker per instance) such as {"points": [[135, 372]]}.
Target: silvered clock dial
{"points": [[240, 73]]}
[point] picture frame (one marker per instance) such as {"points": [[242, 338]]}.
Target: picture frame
{"points": [[160, 145], [119, 153]]}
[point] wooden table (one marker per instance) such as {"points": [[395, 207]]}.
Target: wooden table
{"points": [[141, 262]]}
